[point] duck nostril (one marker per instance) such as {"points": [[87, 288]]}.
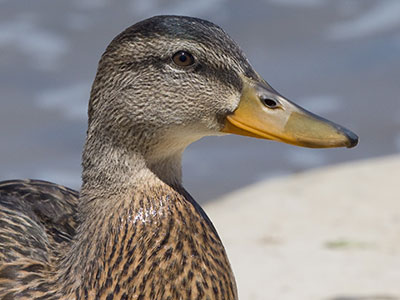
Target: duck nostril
{"points": [[270, 103]]}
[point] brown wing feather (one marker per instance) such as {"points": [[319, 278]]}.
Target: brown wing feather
{"points": [[35, 216]]}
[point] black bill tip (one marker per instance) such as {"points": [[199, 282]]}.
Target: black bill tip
{"points": [[352, 138]]}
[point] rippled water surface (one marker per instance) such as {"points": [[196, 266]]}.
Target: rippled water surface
{"points": [[340, 59]]}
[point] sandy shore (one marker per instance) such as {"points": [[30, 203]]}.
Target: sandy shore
{"points": [[328, 234]]}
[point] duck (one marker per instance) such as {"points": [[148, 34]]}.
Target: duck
{"points": [[133, 231]]}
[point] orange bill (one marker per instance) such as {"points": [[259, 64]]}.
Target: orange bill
{"points": [[263, 113]]}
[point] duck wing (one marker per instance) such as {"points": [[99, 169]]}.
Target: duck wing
{"points": [[37, 219]]}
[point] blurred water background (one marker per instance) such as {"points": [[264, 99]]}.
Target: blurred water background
{"points": [[339, 59]]}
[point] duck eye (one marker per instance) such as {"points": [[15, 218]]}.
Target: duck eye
{"points": [[183, 58]]}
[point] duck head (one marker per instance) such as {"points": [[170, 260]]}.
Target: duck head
{"points": [[169, 80]]}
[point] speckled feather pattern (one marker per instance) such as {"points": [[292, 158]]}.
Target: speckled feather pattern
{"points": [[161, 247], [157, 245], [133, 232], [37, 223]]}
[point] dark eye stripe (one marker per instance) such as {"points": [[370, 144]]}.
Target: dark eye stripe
{"points": [[183, 58]]}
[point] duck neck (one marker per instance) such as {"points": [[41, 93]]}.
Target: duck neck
{"points": [[120, 193], [141, 236]]}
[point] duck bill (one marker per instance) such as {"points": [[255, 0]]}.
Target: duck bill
{"points": [[263, 113]]}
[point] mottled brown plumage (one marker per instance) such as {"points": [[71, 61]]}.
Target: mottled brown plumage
{"points": [[133, 232]]}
